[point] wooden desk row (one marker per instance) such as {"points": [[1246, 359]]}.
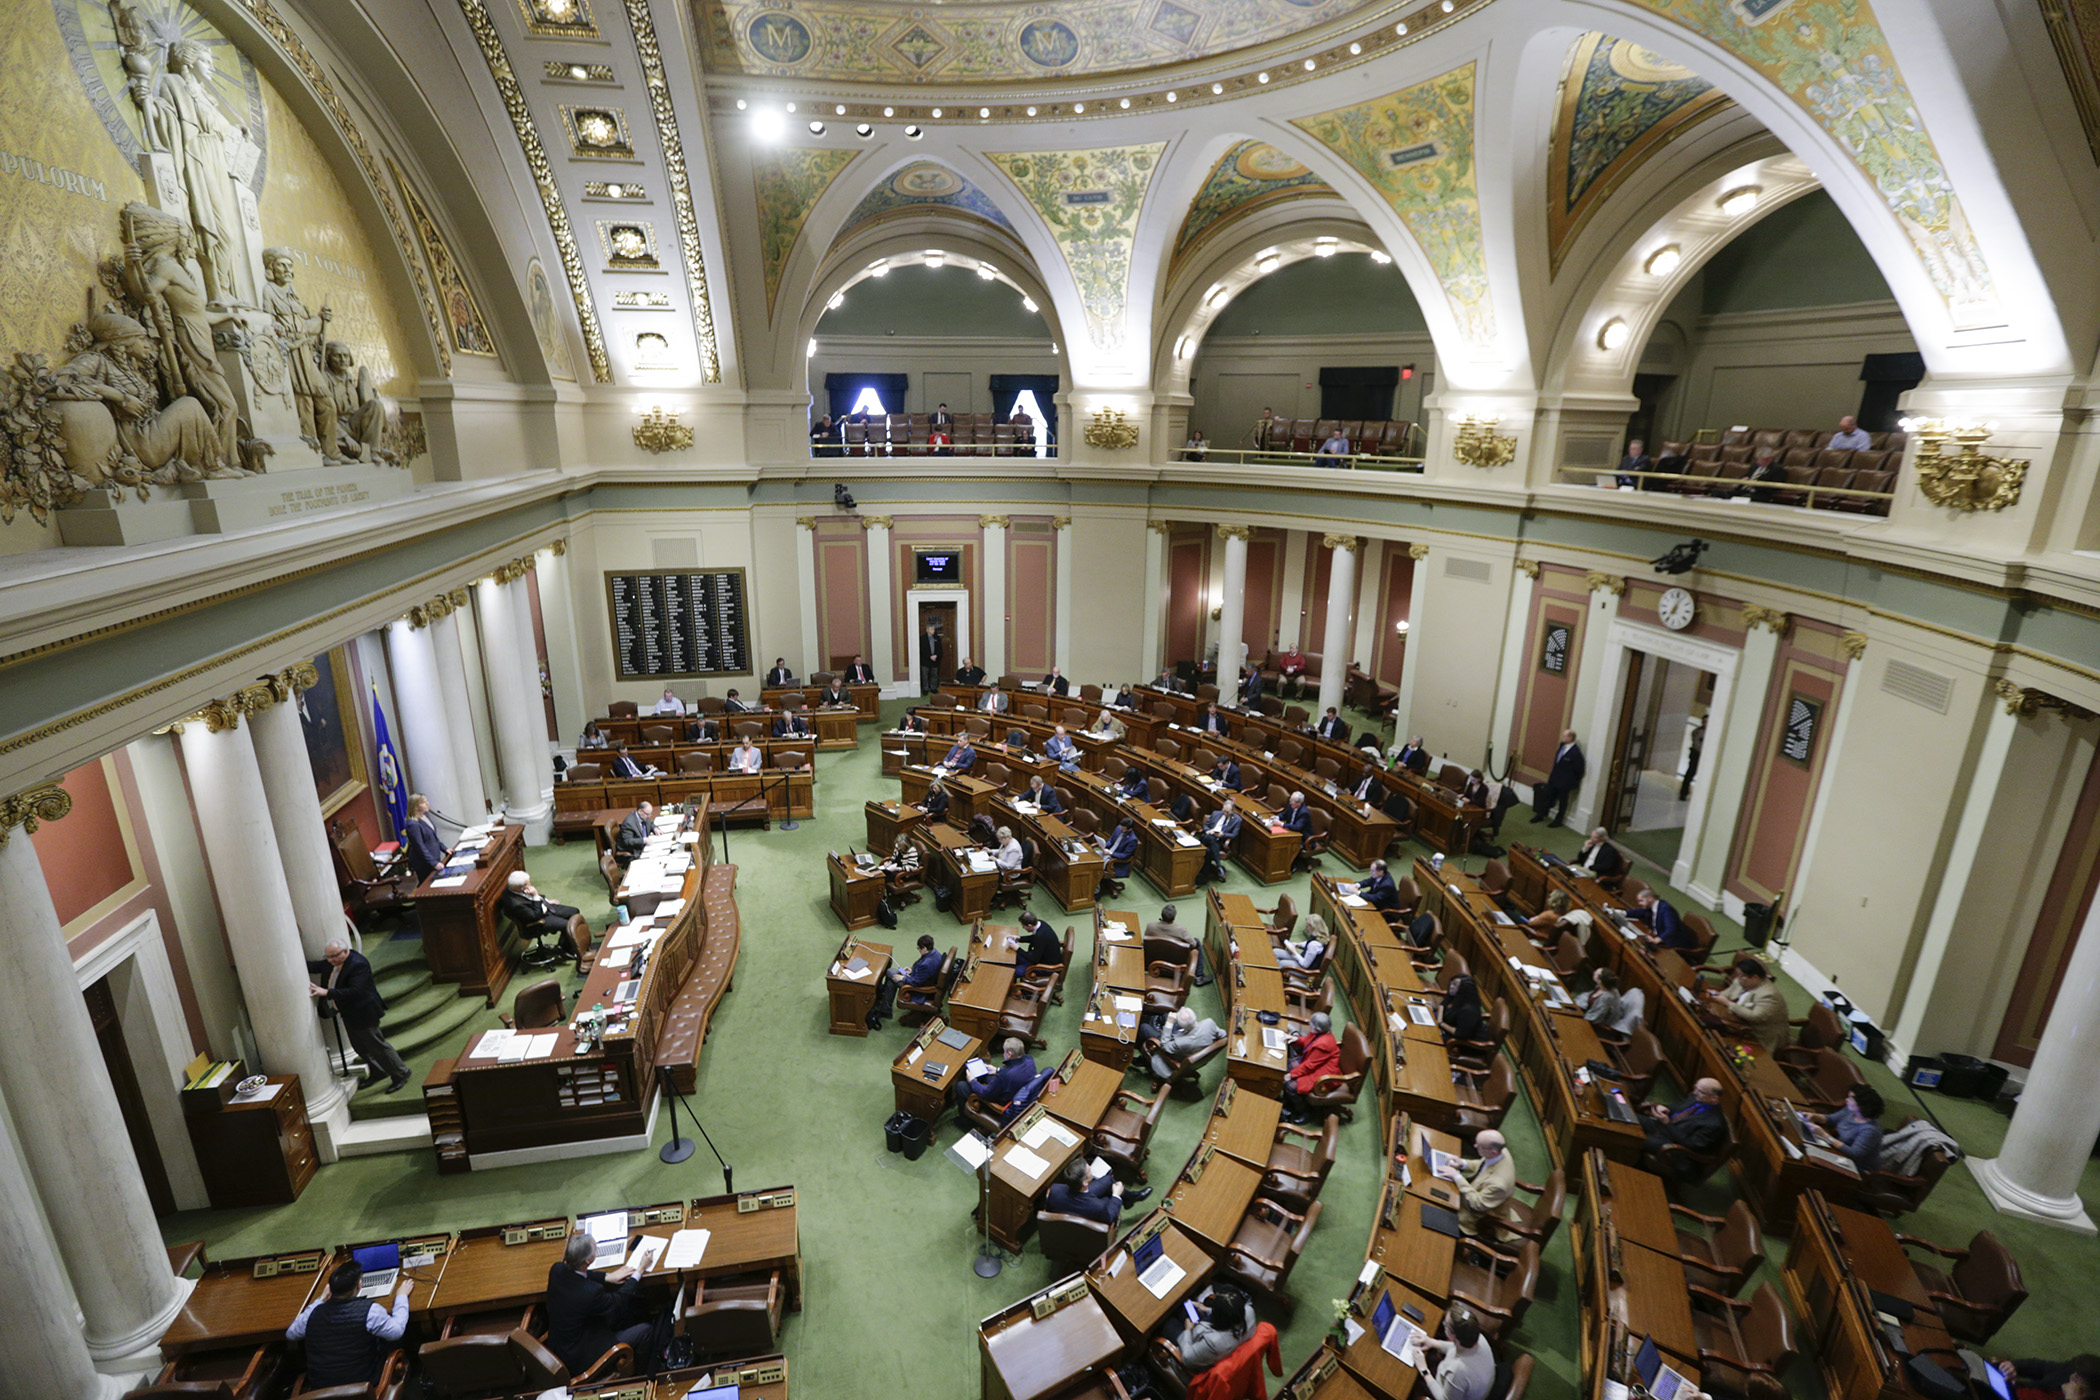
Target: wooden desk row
{"points": [[788, 792], [1628, 1275], [1836, 1262]]}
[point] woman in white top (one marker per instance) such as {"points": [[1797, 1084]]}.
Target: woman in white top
{"points": [[670, 704], [1010, 856], [1311, 947]]}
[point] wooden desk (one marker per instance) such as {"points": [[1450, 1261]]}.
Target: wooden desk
{"points": [[1084, 1096], [742, 1242], [1422, 1087], [756, 1378], [460, 939], [1407, 1249], [1136, 1313], [854, 892], [1835, 1258], [1211, 1207], [994, 943], [1366, 1358], [889, 820], [1422, 1184], [484, 1274], [423, 1278], [230, 1307], [950, 860], [967, 796], [1119, 950], [1243, 1124], [1637, 1202], [1652, 1298], [1103, 1038], [921, 1095], [1249, 1060], [1024, 1357], [852, 998], [978, 998], [1015, 1189], [1064, 863]]}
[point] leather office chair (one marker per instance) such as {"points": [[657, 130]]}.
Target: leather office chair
{"points": [[1825, 1084], [1328, 770], [1170, 970], [1280, 917], [1494, 876], [1408, 896], [1169, 748], [1484, 1096], [1297, 1169], [1886, 1192], [711, 705], [1185, 1077], [924, 1002], [1080, 819], [1638, 1061], [1124, 1137], [1678, 1165], [1703, 938], [695, 762], [747, 729], [1496, 1284], [609, 870], [659, 734], [1015, 886], [622, 709], [1071, 1242], [998, 775], [1478, 1056], [1631, 887], [1289, 752], [790, 760], [585, 773], [1512, 1379], [735, 1316], [1568, 959], [1537, 1221], [1336, 1093], [1266, 1248], [1978, 1292], [1429, 958], [1022, 1012], [1316, 841], [537, 1005], [1744, 1348], [1820, 1029], [234, 1374], [1452, 968], [1156, 792], [393, 1376], [1206, 692], [1724, 1255], [367, 891]]}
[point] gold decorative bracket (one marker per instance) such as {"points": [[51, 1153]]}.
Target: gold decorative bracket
{"points": [[1111, 429], [1855, 644], [660, 432], [2025, 702], [1610, 583], [1478, 444], [1528, 567], [1771, 619], [1966, 478]]}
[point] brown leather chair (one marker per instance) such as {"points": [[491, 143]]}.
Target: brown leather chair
{"points": [[366, 891], [1496, 1285], [1294, 1173], [1266, 1248], [507, 1363], [393, 1375], [747, 729], [1124, 1137], [1820, 1029], [1517, 1382], [1678, 1165], [695, 761], [1281, 917], [1170, 970], [1827, 1080], [1744, 1347], [1336, 1093], [1703, 936], [1494, 876], [1568, 957], [584, 773], [537, 1005], [1631, 887], [1015, 886], [1885, 1192], [1315, 842], [1289, 752], [234, 1374], [1537, 1221], [659, 734], [1022, 1012], [1453, 967], [1638, 1061], [737, 1316], [1484, 1096], [1725, 1253], [1978, 1292], [1071, 1242], [923, 1002], [1478, 1056], [711, 705], [622, 709]]}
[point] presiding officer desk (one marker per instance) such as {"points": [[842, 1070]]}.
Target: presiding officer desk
{"points": [[461, 940], [1771, 1166]]}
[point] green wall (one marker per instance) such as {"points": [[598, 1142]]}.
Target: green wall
{"points": [[1347, 294], [952, 303], [1803, 254]]}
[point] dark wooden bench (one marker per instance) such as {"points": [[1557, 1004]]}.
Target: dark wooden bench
{"points": [[684, 1028]]}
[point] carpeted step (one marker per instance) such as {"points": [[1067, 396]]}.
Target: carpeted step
{"points": [[404, 1009], [439, 1024]]}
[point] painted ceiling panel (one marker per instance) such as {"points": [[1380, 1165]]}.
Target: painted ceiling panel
{"points": [[1248, 176], [788, 183], [924, 185], [1090, 200]]}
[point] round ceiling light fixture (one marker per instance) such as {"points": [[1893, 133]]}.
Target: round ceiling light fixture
{"points": [[1664, 260], [1739, 201], [768, 124], [1614, 335], [913, 133]]}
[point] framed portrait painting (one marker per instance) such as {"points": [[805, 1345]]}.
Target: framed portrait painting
{"points": [[328, 715]]}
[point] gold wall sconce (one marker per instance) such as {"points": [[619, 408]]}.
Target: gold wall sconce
{"points": [[660, 431], [1966, 478], [1478, 444]]}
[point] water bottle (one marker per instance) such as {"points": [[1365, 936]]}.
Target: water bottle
{"points": [[1436, 863]]}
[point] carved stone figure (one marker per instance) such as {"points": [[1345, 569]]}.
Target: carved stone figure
{"points": [[159, 276], [200, 136], [301, 333], [106, 404], [366, 419]]}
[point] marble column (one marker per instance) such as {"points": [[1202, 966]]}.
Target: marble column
{"points": [[41, 1350], [1334, 641], [2035, 1175], [1598, 672], [445, 646], [1153, 637], [239, 815], [805, 596], [534, 697], [1232, 610], [992, 571], [420, 715], [1063, 526], [72, 1138], [295, 812], [882, 645], [517, 751], [1509, 680]]}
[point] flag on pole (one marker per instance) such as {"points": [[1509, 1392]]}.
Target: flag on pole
{"points": [[391, 788]]}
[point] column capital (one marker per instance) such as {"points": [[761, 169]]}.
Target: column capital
{"points": [[31, 807], [1855, 645], [877, 522], [1060, 522], [1236, 532], [218, 716], [1418, 551], [2025, 702], [559, 547], [994, 522], [1771, 619], [515, 569], [1613, 584], [1528, 567], [293, 680], [1348, 542], [806, 522], [423, 614], [1160, 527]]}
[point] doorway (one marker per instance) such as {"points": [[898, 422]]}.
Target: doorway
{"points": [[131, 1103], [949, 610], [1657, 746]]}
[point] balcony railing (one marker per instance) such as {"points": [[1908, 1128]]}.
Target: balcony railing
{"points": [[1794, 493]]}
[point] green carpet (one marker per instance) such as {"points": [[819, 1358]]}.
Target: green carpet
{"points": [[887, 1244]]}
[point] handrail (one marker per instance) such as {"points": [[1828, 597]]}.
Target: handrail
{"points": [[1738, 486], [1270, 457]]}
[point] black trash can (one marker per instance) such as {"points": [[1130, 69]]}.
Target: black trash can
{"points": [[1964, 1077], [893, 1130], [915, 1132], [1757, 923], [1924, 1072]]}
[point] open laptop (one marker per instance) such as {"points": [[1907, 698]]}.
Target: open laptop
{"points": [[382, 1266], [609, 1233], [1663, 1383]]}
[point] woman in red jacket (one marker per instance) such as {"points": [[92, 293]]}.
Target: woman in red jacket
{"points": [[1314, 1056]]}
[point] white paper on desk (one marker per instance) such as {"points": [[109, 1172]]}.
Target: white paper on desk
{"points": [[1096, 1169], [625, 936], [1356, 901], [474, 832], [689, 838], [450, 882], [539, 1047], [1026, 1162], [514, 1049], [1502, 918], [490, 1045], [1124, 1003], [616, 957], [1160, 1279], [687, 1246], [1352, 1329], [1047, 1129], [1163, 821], [859, 975], [470, 843], [1184, 839], [1114, 926], [913, 1057], [260, 1094], [1114, 934], [647, 1250], [669, 910], [1456, 890], [976, 1068]]}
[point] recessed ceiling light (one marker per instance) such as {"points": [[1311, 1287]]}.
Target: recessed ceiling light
{"points": [[1217, 89], [987, 271], [1031, 111], [1261, 77], [984, 111], [740, 104], [839, 111], [1400, 28], [1381, 257], [863, 131], [889, 111], [1028, 304], [577, 70], [1309, 65], [1356, 48], [1448, 6], [1740, 201], [936, 114], [1664, 260], [768, 124], [816, 128], [791, 109], [1614, 334], [913, 132], [1125, 102], [838, 299], [1079, 106], [1173, 97]]}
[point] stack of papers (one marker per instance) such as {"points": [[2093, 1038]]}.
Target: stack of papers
{"points": [[1356, 901], [647, 1250], [687, 1246], [1046, 1130], [1025, 1162], [526, 1047], [1184, 839]]}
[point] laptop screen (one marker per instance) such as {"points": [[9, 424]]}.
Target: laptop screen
{"points": [[1648, 1362], [1382, 1317], [374, 1258], [1148, 1251]]}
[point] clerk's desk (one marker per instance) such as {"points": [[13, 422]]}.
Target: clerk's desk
{"points": [[852, 998], [854, 892], [461, 940]]}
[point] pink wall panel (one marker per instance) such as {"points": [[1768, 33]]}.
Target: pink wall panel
{"points": [[83, 856], [1031, 603], [1317, 562], [1185, 578], [1781, 793], [1399, 597], [842, 595], [1264, 578]]}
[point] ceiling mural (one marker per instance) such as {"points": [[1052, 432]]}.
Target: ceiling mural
{"points": [[1415, 146], [789, 181], [1619, 104], [1091, 201], [1249, 175], [1832, 59], [926, 185], [991, 42]]}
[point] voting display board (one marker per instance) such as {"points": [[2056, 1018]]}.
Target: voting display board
{"points": [[673, 623]]}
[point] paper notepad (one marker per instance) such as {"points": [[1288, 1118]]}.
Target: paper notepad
{"points": [[1160, 1279], [1026, 1162], [647, 1250], [491, 1045], [450, 882], [1047, 1129], [1356, 901], [686, 1249]]}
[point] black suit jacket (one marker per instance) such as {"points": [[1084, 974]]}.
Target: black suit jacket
{"points": [[425, 852], [1698, 1132], [1568, 767], [1059, 684], [780, 675], [863, 674], [930, 649], [1336, 728], [1604, 861], [633, 832], [1376, 795], [970, 675], [580, 1314], [790, 727], [355, 996]]}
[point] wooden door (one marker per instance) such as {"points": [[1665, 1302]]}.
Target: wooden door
{"points": [[131, 1103], [1629, 753]]}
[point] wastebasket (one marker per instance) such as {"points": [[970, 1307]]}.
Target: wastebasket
{"points": [[915, 1131], [893, 1130], [1964, 1076], [1757, 923], [1924, 1072]]}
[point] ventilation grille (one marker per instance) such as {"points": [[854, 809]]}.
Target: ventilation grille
{"points": [[1471, 570], [1917, 685]]}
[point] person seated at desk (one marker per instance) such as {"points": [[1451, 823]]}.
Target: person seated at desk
{"points": [[1219, 830], [1037, 947], [860, 672], [1226, 773], [1544, 927], [1601, 858], [1312, 1056], [425, 851], [347, 1337], [1308, 951], [1102, 1198], [624, 766], [1751, 1005], [1368, 788], [789, 724], [1604, 1005], [1421, 939], [746, 758], [1126, 698], [702, 730], [731, 704], [1377, 890], [1179, 1036], [534, 913], [962, 755], [1461, 1017], [1697, 1125], [1413, 756], [1061, 750], [1042, 795], [1855, 1129], [903, 857], [1295, 816], [1182, 808], [1332, 451], [780, 674], [1210, 721], [1333, 727], [935, 803], [924, 971], [1009, 856], [994, 702], [1167, 925], [1665, 928], [1251, 688], [586, 1316], [998, 1088], [1133, 785], [670, 704], [1467, 1371], [1118, 851], [1055, 683], [911, 722], [2033, 1378], [634, 832], [1107, 726], [1475, 792], [969, 673], [1484, 1185], [1224, 1319], [591, 738], [834, 693], [1017, 742]]}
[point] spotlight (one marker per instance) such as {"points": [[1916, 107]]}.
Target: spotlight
{"points": [[987, 272], [863, 131], [1261, 77], [936, 114], [1664, 260], [741, 104], [1614, 334], [1309, 65], [1079, 106], [816, 128], [1356, 48], [842, 498], [1173, 97], [839, 110], [768, 124], [1381, 257], [1031, 111], [838, 299], [913, 133], [1681, 559], [1217, 89], [1739, 201], [1400, 28], [1125, 102], [889, 111]]}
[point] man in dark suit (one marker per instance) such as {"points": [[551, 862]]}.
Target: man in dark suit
{"points": [[733, 704], [1635, 460], [586, 1314], [1565, 776], [1038, 947], [1219, 831], [860, 673], [834, 693], [1377, 890], [425, 851], [534, 912], [634, 832], [780, 674], [962, 756], [1000, 1086], [1413, 756], [1250, 688], [930, 653], [1666, 929], [352, 994], [1600, 857], [1765, 467], [1043, 796], [790, 725], [969, 673], [1133, 784], [1226, 773], [924, 972], [1210, 721], [1100, 1198], [1697, 1125], [1295, 816], [624, 766], [1333, 726], [1117, 852], [1368, 788], [701, 730], [1056, 683]]}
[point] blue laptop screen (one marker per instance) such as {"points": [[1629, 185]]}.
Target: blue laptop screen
{"points": [[375, 1257], [1648, 1363]]}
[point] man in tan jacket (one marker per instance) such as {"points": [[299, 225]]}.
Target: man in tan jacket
{"points": [[1484, 1184], [1751, 1005]]}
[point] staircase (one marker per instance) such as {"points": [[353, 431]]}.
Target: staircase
{"points": [[425, 1020]]}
